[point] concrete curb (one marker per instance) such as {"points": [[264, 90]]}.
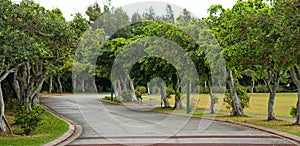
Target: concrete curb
{"points": [[71, 134], [264, 129]]}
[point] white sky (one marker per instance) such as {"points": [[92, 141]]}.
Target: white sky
{"points": [[68, 7]]}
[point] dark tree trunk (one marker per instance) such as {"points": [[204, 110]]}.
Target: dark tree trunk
{"points": [[237, 106], [178, 102], [295, 74], [273, 91]]}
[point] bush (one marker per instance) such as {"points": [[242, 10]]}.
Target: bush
{"points": [[141, 89], [138, 95], [28, 120], [261, 89], [203, 89], [293, 112], [242, 94], [126, 96], [115, 99]]}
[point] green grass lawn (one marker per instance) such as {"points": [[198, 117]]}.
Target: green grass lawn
{"points": [[258, 103], [49, 129]]}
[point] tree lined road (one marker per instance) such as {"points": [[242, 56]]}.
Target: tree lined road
{"points": [[107, 124]]}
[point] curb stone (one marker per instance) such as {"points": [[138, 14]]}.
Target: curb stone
{"points": [[72, 133]]}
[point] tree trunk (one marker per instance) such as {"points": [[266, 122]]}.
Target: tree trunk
{"points": [[212, 99], [118, 89], [296, 79], [164, 95], [50, 83], [132, 89], [237, 106], [74, 85], [252, 87], [148, 88], [16, 86], [273, 91], [82, 85], [60, 88], [178, 102], [2, 106], [298, 109]]}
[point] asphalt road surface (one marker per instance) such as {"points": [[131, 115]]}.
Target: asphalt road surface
{"points": [[106, 124]]}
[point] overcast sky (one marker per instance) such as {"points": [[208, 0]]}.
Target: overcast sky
{"points": [[197, 7]]}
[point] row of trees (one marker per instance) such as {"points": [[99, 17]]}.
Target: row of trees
{"points": [[35, 44], [252, 37], [262, 37], [38, 45]]}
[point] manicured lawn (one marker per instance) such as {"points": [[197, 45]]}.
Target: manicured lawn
{"points": [[50, 128], [283, 104], [258, 103]]}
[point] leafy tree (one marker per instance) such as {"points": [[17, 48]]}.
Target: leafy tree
{"points": [[217, 21], [169, 17], [136, 17], [149, 14]]}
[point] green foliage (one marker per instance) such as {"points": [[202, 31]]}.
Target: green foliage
{"points": [[293, 111], [203, 89], [242, 94], [28, 120], [141, 89], [108, 98], [169, 91], [126, 96], [261, 89], [215, 98]]}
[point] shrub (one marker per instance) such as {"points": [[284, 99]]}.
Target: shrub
{"points": [[203, 89], [115, 99], [261, 89], [28, 120], [242, 94], [126, 96], [138, 95], [293, 111], [141, 89]]}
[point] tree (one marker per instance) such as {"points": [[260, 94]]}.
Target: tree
{"points": [[149, 14], [217, 21], [136, 17], [255, 39], [169, 17], [85, 58]]}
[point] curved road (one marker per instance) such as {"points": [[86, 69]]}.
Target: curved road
{"points": [[105, 124]]}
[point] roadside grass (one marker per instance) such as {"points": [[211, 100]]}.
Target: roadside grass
{"points": [[49, 129], [258, 103], [279, 125]]}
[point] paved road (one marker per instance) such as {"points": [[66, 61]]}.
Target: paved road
{"points": [[105, 124]]}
